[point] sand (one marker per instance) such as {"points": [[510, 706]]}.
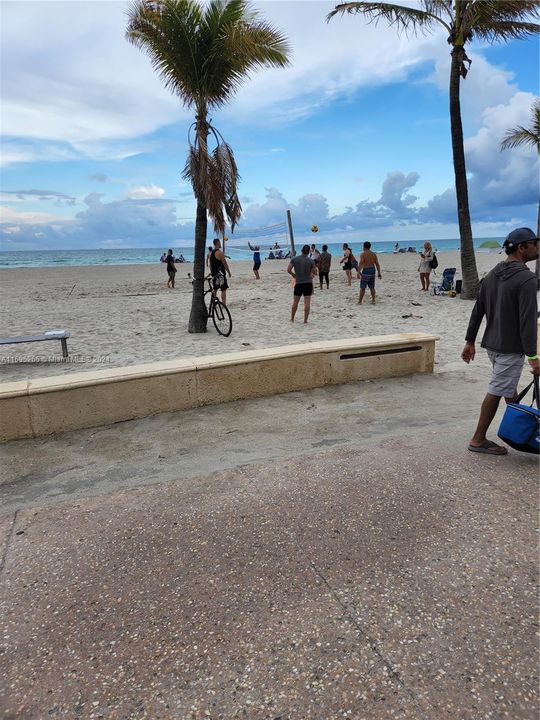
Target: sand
{"points": [[125, 315]]}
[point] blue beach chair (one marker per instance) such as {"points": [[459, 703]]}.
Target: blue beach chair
{"points": [[446, 284]]}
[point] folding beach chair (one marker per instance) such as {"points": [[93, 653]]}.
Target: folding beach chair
{"points": [[446, 284]]}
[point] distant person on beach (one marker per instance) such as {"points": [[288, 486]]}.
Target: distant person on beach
{"points": [[208, 256], [163, 258], [219, 269], [256, 249], [171, 270], [368, 266], [302, 269], [507, 297], [325, 261], [425, 267], [396, 248], [314, 254], [347, 261]]}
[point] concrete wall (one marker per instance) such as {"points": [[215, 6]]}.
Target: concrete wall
{"points": [[80, 400]]}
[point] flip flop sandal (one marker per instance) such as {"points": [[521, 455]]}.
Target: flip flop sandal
{"points": [[489, 448]]}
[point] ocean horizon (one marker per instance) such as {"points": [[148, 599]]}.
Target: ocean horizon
{"points": [[146, 256]]}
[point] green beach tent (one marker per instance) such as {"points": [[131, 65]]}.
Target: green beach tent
{"points": [[490, 244]]}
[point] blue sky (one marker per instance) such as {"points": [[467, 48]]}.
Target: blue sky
{"points": [[353, 137]]}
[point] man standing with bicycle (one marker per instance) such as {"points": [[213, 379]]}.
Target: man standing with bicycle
{"points": [[302, 268], [219, 269]]}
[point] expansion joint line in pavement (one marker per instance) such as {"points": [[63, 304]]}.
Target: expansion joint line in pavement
{"points": [[393, 674], [8, 542]]}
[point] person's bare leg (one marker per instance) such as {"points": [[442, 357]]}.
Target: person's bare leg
{"points": [[224, 297], [361, 296], [372, 291], [296, 300], [427, 281], [307, 305], [423, 281], [488, 410]]}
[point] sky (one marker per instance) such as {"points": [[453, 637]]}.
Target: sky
{"points": [[354, 136]]}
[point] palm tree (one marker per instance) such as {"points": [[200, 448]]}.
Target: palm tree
{"points": [[527, 136], [463, 20], [203, 54]]}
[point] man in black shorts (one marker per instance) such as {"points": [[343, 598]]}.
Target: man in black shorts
{"points": [[219, 269], [302, 269], [171, 269]]}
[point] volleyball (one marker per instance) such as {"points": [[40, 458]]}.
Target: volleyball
{"points": [[314, 228]]}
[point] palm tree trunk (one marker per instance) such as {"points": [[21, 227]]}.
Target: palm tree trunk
{"points": [[468, 259], [537, 266], [198, 315]]}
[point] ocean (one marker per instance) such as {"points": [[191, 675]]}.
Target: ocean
{"points": [[144, 256]]}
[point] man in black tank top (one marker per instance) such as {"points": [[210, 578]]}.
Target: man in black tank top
{"points": [[219, 269]]}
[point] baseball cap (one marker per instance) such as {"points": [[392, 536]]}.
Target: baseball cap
{"points": [[518, 236]]}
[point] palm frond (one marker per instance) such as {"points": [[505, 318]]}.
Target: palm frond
{"points": [[525, 136], [404, 18], [166, 31], [493, 20], [519, 136], [505, 30]]}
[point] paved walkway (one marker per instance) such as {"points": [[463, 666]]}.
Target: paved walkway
{"points": [[392, 576]]}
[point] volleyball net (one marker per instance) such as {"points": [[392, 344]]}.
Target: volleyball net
{"points": [[265, 238]]}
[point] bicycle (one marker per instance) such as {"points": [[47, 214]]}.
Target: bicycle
{"points": [[219, 312]]}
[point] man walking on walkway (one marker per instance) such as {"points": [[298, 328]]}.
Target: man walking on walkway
{"points": [[302, 268], [507, 297]]}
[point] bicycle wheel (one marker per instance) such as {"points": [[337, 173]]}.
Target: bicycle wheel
{"points": [[222, 318]]}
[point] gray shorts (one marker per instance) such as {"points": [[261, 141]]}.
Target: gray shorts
{"points": [[507, 369]]}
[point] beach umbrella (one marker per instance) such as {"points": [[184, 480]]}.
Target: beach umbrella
{"points": [[490, 244]]}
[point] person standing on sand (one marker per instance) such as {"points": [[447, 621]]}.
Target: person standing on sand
{"points": [[256, 249], [325, 261], [171, 269], [218, 267], [346, 261], [425, 267], [507, 297], [314, 254], [369, 264], [302, 269]]}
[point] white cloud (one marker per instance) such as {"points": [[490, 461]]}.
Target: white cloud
{"points": [[485, 84], [10, 215], [145, 192], [82, 83], [503, 178]]}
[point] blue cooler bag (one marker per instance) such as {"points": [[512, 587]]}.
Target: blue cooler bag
{"points": [[520, 426]]}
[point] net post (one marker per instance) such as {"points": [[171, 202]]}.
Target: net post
{"points": [[291, 235]]}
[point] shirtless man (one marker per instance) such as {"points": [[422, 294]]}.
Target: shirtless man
{"points": [[369, 264]]}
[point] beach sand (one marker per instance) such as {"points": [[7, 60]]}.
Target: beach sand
{"points": [[125, 315]]}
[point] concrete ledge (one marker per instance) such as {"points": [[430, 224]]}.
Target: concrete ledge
{"points": [[81, 400]]}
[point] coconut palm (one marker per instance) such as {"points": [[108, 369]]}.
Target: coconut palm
{"points": [[203, 54], [527, 136], [463, 20]]}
